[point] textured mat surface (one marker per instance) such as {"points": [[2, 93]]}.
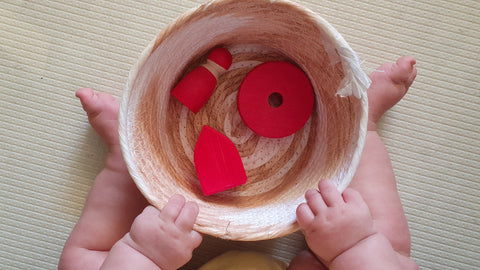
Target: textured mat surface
{"points": [[49, 155]]}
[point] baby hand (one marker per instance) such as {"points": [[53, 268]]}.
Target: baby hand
{"points": [[332, 222], [167, 237]]}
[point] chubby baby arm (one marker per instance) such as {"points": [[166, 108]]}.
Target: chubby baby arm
{"points": [[158, 239], [339, 230], [374, 252]]}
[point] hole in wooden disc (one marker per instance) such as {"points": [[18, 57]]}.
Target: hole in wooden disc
{"points": [[275, 100]]}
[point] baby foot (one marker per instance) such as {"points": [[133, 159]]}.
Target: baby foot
{"points": [[334, 222], [102, 112], [390, 82]]}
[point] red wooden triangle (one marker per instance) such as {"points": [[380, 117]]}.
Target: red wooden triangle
{"points": [[217, 162]]}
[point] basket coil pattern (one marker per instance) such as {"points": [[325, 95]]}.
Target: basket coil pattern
{"points": [[158, 134]]}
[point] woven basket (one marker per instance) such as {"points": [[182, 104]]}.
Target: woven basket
{"points": [[158, 134]]}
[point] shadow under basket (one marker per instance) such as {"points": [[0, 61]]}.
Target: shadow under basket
{"points": [[158, 134]]}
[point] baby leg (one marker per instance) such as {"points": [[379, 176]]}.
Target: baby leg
{"points": [[374, 178], [113, 202]]}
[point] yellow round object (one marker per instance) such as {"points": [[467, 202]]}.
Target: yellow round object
{"points": [[244, 260]]}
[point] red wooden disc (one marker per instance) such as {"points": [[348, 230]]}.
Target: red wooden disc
{"points": [[275, 99]]}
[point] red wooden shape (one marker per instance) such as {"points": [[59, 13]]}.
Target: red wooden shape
{"points": [[221, 57], [275, 99], [195, 88], [217, 162]]}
